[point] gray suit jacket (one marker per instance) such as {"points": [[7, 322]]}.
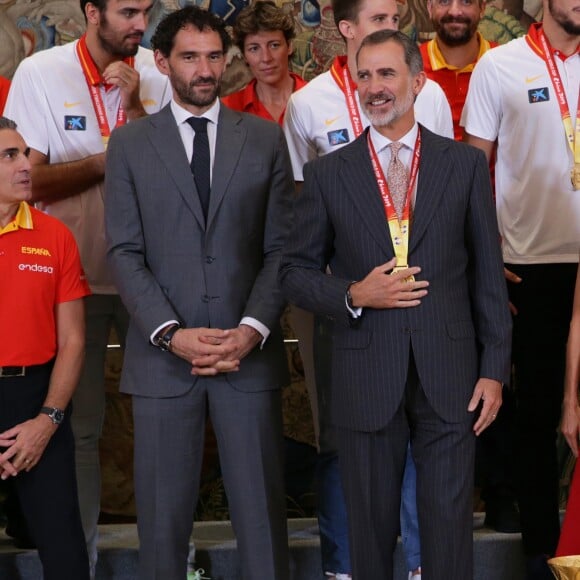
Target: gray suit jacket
{"points": [[169, 264], [462, 329]]}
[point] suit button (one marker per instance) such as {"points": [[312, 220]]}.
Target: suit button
{"points": [[209, 259], [205, 298]]}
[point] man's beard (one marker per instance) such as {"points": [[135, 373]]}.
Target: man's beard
{"points": [[457, 38], [188, 95], [563, 21], [398, 108], [112, 46]]}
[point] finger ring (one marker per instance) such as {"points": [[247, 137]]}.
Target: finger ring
{"points": [[27, 461], [493, 416]]}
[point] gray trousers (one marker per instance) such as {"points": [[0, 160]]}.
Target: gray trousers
{"points": [[169, 439]]}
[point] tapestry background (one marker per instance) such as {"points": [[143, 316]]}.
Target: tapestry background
{"points": [[27, 26]]}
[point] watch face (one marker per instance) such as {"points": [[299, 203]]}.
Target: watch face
{"points": [[57, 416]]}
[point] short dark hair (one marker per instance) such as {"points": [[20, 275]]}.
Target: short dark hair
{"points": [[164, 37], [262, 16], [6, 123], [413, 57], [100, 5], [346, 10]]}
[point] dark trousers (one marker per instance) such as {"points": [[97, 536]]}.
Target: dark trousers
{"points": [[544, 301], [494, 456], [48, 493], [332, 520], [375, 462]]}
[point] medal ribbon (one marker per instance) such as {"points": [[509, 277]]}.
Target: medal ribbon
{"points": [[399, 229], [341, 75], [572, 139], [94, 80]]}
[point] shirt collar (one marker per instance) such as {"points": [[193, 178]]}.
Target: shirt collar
{"points": [[181, 115], [22, 220], [380, 142], [251, 102], [250, 97], [533, 38], [437, 60], [90, 69]]}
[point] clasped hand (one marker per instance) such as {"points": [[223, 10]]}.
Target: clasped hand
{"points": [[24, 445], [212, 350]]}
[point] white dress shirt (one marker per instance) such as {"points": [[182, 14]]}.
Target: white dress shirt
{"points": [[187, 134]]}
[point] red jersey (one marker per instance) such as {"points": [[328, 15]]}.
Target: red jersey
{"points": [[39, 268], [4, 86], [247, 101], [453, 81]]}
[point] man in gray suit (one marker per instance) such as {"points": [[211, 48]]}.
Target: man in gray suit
{"points": [[196, 266], [418, 352]]}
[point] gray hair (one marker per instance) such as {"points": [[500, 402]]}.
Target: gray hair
{"points": [[413, 57], [6, 123]]}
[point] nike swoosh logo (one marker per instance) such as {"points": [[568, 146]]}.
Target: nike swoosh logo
{"points": [[532, 79], [68, 105], [329, 122]]}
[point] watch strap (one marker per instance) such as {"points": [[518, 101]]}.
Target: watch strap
{"points": [[55, 414], [163, 341]]}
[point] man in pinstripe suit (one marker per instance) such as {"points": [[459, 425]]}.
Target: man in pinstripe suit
{"points": [[420, 351]]}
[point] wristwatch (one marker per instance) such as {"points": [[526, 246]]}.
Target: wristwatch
{"points": [[54, 414], [163, 339], [349, 297]]}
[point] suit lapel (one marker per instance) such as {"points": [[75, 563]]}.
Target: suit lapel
{"points": [[356, 172], [434, 173], [231, 136], [166, 140]]}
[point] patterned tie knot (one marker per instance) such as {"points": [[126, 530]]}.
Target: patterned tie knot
{"points": [[395, 147], [198, 124]]}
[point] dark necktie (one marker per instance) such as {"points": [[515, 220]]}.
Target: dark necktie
{"points": [[200, 161]]}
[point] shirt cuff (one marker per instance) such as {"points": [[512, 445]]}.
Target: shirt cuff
{"points": [[354, 312], [257, 325], [156, 331]]}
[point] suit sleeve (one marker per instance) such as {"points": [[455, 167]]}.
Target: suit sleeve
{"points": [[307, 253], [266, 302], [486, 278], [143, 297]]}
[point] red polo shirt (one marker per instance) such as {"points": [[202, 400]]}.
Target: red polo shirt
{"points": [[39, 268], [453, 81], [247, 101], [4, 86]]}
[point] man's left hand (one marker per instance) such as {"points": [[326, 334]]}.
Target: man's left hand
{"points": [[241, 341], [488, 391], [25, 445], [121, 75]]}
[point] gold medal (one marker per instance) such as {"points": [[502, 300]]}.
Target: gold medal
{"points": [[575, 175], [399, 268]]}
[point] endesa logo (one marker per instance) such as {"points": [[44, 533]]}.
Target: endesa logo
{"points": [[36, 268]]}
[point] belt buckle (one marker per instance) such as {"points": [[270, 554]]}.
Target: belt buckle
{"points": [[12, 372]]}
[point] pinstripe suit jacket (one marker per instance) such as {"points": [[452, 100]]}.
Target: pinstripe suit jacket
{"points": [[462, 329]]}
